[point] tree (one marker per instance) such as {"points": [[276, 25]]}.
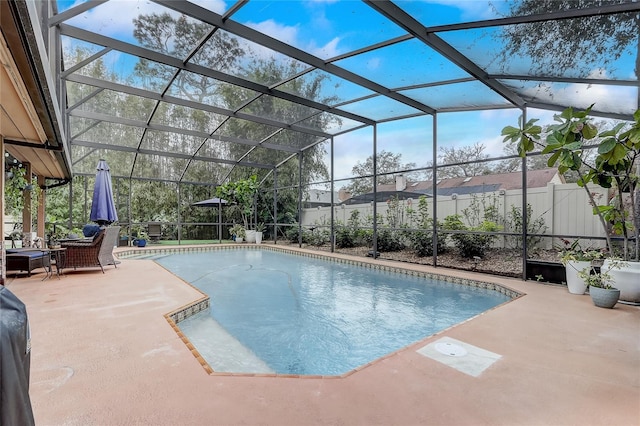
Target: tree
{"points": [[387, 163], [177, 36], [541, 161], [534, 162], [473, 154], [241, 196], [571, 44], [613, 167], [310, 86], [271, 71]]}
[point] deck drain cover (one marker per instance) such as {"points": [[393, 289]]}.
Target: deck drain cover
{"points": [[450, 349]]}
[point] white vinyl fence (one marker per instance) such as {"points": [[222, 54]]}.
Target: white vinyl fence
{"points": [[565, 209]]}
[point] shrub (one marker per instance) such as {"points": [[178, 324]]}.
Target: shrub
{"points": [[514, 224], [292, 234], [470, 245], [422, 240], [389, 240], [349, 235], [345, 237], [317, 237]]}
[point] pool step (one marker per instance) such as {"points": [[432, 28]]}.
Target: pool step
{"points": [[145, 256], [222, 351]]}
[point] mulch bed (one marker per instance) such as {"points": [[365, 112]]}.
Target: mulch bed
{"points": [[503, 262]]}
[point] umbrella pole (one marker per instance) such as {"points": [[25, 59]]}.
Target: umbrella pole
{"points": [[219, 221]]}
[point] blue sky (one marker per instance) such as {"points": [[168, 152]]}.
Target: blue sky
{"points": [[328, 28]]}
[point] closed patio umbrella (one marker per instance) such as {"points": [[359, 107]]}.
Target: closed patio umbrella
{"points": [[103, 209], [214, 202]]}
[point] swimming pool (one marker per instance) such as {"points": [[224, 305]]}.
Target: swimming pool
{"points": [[277, 312]]}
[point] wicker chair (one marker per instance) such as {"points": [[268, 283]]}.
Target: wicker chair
{"points": [[95, 253], [154, 230]]}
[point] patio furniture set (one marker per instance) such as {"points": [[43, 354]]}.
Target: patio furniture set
{"points": [[80, 253]]}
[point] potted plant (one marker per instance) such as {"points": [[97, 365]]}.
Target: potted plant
{"points": [[54, 237], [259, 230], [575, 259], [601, 285], [141, 239], [614, 167], [238, 232], [240, 195]]}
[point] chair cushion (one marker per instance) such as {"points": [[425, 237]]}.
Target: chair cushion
{"points": [[29, 254]]}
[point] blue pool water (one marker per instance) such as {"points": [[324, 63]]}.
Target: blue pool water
{"points": [[282, 313]]}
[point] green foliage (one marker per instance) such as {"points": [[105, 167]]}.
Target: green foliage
{"points": [[153, 201], [470, 245], [391, 236], [292, 234], [344, 237], [389, 240], [482, 215], [573, 251], [597, 278], [483, 207], [237, 231], [513, 223], [57, 209], [14, 192], [422, 240], [55, 234], [240, 195], [349, 235], [617, 153], [176, 36], [317, 236], [580, 45]]}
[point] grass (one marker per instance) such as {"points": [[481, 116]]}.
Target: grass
{"points": [[185, 242]]}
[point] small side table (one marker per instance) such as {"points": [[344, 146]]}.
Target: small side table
{"points": [[59, 256]]}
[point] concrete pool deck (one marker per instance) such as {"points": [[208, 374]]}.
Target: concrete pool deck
{"points": [[104, 354]]}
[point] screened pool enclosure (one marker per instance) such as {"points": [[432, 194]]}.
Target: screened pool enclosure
{"points": [[368, 124]]}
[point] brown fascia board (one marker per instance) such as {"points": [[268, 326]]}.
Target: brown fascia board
{"points": [[17, 30]]}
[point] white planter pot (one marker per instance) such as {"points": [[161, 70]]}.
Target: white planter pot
{"points": [[238, 239], [251, 236], [626, 279], [575, 284], [258, 237]]}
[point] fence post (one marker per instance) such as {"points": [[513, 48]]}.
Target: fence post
{"points": [[550, 211]]}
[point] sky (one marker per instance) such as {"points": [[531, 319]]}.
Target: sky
{"points": [[329, 28]]}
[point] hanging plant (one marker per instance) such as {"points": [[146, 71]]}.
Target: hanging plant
{"points": [[14, 186]]}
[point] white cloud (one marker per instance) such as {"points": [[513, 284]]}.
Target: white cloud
{"points": [[617, 99], [107, 18], [217, 6], [284, 33], [473, 10], [291, 35], [329, 50], [494, 147], [374, 63]]}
